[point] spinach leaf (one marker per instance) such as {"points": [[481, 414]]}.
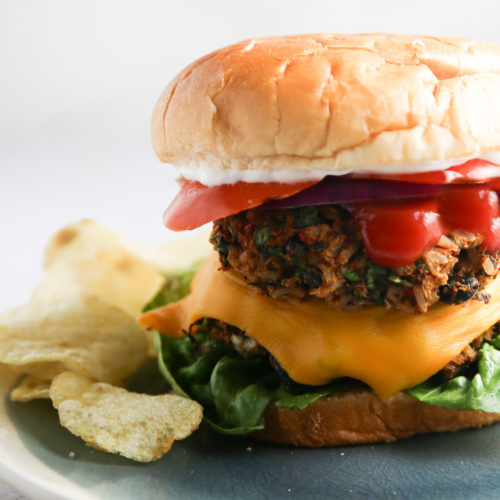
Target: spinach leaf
{"points": [[373, 274], [351, 275], [305, 217], [234, 391], [262, 235], [240, 391]]}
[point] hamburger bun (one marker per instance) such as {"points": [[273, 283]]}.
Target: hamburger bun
{"points": [[331, 103], [360, 417]]}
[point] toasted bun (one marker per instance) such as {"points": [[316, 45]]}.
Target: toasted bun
{"points": [[359, 417], [331, 102]]}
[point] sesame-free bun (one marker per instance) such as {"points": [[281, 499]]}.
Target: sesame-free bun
{"points": [[332, 103], [359, 416]]}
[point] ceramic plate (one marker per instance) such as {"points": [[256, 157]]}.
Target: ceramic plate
{"points": [[45, 461]]}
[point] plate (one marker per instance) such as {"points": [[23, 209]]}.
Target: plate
{"points": [[45, 461]]}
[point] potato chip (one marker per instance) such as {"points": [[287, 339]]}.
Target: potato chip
{"points": [[30, 388], [68, 386], [137, 426], [80, 328], [86, 258], [80, 334]]}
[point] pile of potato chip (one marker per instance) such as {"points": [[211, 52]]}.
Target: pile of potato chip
{"points": [[77, 340]]}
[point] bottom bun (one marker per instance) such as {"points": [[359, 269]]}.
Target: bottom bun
{"points": [[359, 416]]}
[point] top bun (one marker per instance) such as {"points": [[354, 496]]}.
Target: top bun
{"points": [[331, 103]]}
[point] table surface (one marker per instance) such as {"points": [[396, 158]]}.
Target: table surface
{"points": [[7, 493]]}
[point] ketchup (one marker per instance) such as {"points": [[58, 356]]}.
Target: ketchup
{"points": [[397, 233]]}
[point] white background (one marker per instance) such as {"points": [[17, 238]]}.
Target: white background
{"points": [[79, 79]]}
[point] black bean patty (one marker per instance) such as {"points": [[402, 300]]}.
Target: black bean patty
{"points": [[317, 252]]}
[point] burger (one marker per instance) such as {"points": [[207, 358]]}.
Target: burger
{"points": [[353, 294]]}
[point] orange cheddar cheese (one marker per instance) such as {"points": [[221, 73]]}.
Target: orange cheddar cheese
{"points": [[388, 350]]}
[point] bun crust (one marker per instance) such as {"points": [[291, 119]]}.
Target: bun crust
{"points": [[331, 102], [359, 417]]}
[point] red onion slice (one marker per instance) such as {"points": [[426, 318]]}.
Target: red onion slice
{"points": [[332, 190]]}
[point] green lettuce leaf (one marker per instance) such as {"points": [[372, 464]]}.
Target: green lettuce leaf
{"points": [[481, 392], [294, 401], [176, 287]]}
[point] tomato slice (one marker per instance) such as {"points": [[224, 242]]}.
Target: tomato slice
{"points": [[197, 204], [471, 171]]}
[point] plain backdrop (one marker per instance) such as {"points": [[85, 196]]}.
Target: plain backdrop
{"points": [[78, 82]]}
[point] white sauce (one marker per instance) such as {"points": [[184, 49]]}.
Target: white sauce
{"points": [[209, 177]]}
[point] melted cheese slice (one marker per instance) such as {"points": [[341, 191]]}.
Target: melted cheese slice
{"points": [[388, 350]]}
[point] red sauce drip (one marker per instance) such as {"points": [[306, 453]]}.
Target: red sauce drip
{"points": [[397, 233]]}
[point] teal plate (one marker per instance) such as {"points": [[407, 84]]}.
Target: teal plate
{"points": [[208, 465]]}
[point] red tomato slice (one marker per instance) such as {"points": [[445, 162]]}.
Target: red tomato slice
{"points": [[470, 171], [197, 204]]}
